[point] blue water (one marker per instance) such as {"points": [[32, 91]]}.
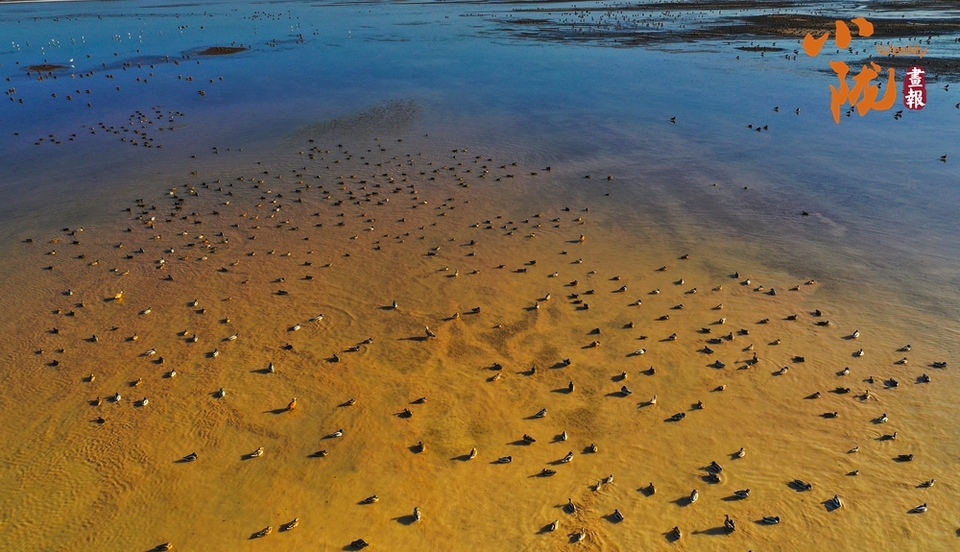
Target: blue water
{"points": [[881, 199]]}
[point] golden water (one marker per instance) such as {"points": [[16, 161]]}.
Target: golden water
{"points": [[69, 483]]}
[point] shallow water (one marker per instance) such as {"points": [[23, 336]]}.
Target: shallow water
{"points": [[880, 243]]}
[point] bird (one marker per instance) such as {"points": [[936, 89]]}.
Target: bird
{"points": [[541, 413], [577, 537], [291, 525], [429, 332], [190, 457], [740, 453], [505, 459], [743, 493], [927, 484], [220, 393], [567, 459], [619, 517], [694, 495], [729, 524], [337, 433], [771, 520], [835, 502], [554, 526], [676, 532], [919, 509], [370, 499], [257, 453], [473, 453], [416, 514]]}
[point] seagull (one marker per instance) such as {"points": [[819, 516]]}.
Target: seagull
{"points": [[337, 433]]}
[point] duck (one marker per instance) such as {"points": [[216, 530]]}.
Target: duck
{"points": [[624, 390], [577, 537], [714, 467], [163, 546], [429, 332], [904, 349], [416, 513], [292, 405], [370, 499], [553, 526], [771, 520], [547, 472], [675, 533], [859, 353], [740, 453], [528, 439], [743, 493], [729, 524], [802, 485], [835, 502], [653, 400], [116, 398], [291, 525], [473, 453], [257, 453], [419, 447], [571, 507], [541, 413], [927, 484], [593, 448], [567, 459], [694, 495], [619, 517], [713, 478], [923, 379], [882, 419], [359, 544], [905, 457], [337, 433], [190, 457], [505, 459], [855, 334], [919, 509], [563, 436]]}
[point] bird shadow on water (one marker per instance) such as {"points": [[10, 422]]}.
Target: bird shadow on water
{"points": [[714, 531], [406, 520]]}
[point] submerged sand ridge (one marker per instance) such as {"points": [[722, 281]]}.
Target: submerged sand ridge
{"points": [[250, 262]]}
